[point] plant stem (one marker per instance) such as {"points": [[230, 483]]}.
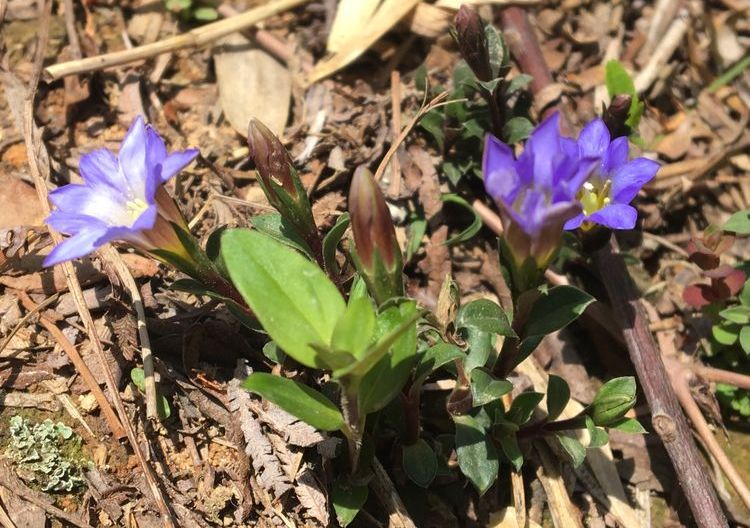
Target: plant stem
{"points": [[354, 423]]}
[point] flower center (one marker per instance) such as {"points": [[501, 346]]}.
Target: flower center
{"points": [[135, 208], [594, 197]]}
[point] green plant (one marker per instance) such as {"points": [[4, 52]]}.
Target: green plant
{"points": [[202, 11]]}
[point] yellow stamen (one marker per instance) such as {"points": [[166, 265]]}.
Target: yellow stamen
{"points": [[594, 199], [135, 208]]}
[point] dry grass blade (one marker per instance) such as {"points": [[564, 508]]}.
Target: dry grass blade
{"points": [[564, 513], [438, 101], [387, 16], [351, 15], [195, 38], [147, 357]]}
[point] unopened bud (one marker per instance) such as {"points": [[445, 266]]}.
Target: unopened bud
{"points": [[270, 158], [614, 399], [472, 42], [281, 185], [377, 250], [616, 115]]}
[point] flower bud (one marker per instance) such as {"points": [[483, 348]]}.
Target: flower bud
{"points": [[281, 185], [614, 399], [271, 159], [616, 115], [472, 42], [378, 255]]}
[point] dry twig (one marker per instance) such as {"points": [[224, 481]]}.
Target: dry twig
{"points": [[194, 38]]}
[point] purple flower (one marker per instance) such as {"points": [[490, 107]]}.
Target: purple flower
{"points": [[606, 195], [121, 198], [536, 192]]}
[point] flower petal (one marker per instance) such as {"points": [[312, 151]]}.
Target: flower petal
{"points": [[72, 223], [498, 167], [76, 246], [544, 149], [102, 202], [615, 216], [100, 167], [617, 155], [177, 161], [575, 222], [628, 179], [133, 158], [594, 139]]}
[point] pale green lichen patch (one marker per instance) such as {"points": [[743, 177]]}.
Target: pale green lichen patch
{"points": [[47, 455]]}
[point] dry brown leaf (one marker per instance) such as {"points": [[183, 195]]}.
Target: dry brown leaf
{"points": [[20, 204], [267, 466], [363, 33], [252, 84], [311, 496]]}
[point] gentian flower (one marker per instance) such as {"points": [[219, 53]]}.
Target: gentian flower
{"points": [[606, 194], [121, 198], [537, 193]]}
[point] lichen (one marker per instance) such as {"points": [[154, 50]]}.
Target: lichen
{"points": [[47, 454]]}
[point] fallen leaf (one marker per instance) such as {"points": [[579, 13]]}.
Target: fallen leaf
{"points": [[20, 203], [252, 84]]}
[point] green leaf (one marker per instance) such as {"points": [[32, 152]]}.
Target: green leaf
{"points": [[420, 463], [517, 83], [598, 437], [481, 346], [509, 445], [619, 81], [138, 377], [307, 404], [432, 122], [470, 231], [614, 399], [397, 331], [739, 223], [196, 288], [354, 330], [498, 53], [486, 316], [477, 456], [331, 241], [383, 345], [485, 388], [744, 296], [725, 333], [558, 394], [736, 314], [517, 129], [745, 339], [291, 297], [629, 425], [435, 357], [556, 309], [347, 501], [523, 407], [273, 352], [278, 228], [205, 13], [573, 448], [163, 409], [416, 230]]}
